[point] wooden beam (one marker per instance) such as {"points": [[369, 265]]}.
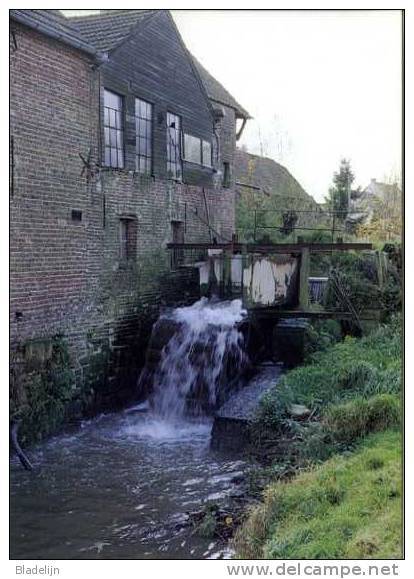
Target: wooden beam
{"points": [[278, 313], [291, 248], [304, 278]]}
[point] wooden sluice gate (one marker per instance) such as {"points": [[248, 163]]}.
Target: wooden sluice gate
{"points": [[273, 280]]}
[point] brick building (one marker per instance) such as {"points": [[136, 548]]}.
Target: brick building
{"points": [[120, 143]]}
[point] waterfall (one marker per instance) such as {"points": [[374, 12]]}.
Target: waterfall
{"points": [[201, 358]]}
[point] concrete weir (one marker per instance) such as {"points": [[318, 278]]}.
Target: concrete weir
{"points": [[231, 422]]}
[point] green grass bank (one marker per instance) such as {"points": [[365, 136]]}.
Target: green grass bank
{"points": [[336, 493], [348, 507]]}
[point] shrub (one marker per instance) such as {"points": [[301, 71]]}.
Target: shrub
{"points": [[48, 388], [354, 367], [320, 335], [350, 421]]}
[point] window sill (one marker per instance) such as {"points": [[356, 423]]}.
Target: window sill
{"points": [[127, 171], [199, 166]]}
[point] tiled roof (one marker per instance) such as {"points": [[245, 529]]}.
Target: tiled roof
{"points": [[51, 23], [271, 177], [111, 27], [217, 92]]}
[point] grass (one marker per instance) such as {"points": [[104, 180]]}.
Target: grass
{"points": [[348, 507], [355, 367], [346, 500]]}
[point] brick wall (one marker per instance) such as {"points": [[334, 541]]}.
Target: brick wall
{"points": [[66, 273]]}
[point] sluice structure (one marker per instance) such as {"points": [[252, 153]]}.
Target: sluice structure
{"points": [[272, 280]]}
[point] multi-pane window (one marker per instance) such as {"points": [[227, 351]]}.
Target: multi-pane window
{"points": [[114, 130], [174, 168], [197, 151], [143, 127]]}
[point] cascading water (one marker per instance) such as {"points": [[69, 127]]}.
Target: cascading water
{"points": [[201, 360], [151, 469]]}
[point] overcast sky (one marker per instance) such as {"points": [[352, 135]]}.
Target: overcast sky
{"points": [[320, 85]]}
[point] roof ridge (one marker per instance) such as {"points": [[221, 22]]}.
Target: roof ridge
{"points": [[106, 13], [110, 30]]}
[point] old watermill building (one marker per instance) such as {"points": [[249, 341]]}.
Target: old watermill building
{"points": [[120, 143]]}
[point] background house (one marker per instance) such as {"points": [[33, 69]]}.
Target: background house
{"points": [[269, 189], [376, 210]]}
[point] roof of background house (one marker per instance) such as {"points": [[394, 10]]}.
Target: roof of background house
{"points": [[381, 190], [54, 25], [110, 28], [271, 177]]}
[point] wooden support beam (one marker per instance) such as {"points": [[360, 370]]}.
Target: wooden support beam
{"points": [[288, 248], [304, 278], [279, 313]]}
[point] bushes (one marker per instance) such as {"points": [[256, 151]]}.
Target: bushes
{"points": [[44, 394], [320, 335], [360, 276]]}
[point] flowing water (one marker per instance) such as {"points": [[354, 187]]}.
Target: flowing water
{"points": [[123, 485], [201, 360], [119, 488]]}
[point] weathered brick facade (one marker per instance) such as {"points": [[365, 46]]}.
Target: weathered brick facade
{"points": [[67, 277]]}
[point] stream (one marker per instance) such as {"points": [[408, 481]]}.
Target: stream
{"points": [[124, 485], [120, 488]]}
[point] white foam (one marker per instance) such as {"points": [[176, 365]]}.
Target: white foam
{"points": [[204, 313], [155, 429]]}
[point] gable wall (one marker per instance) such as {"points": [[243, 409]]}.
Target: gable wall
{"points": [[153, 65]]}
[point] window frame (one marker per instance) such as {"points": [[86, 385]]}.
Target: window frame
{"points": [[177, 174], [149, 136], [127, 243], [202, 142], [118, 131]]}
